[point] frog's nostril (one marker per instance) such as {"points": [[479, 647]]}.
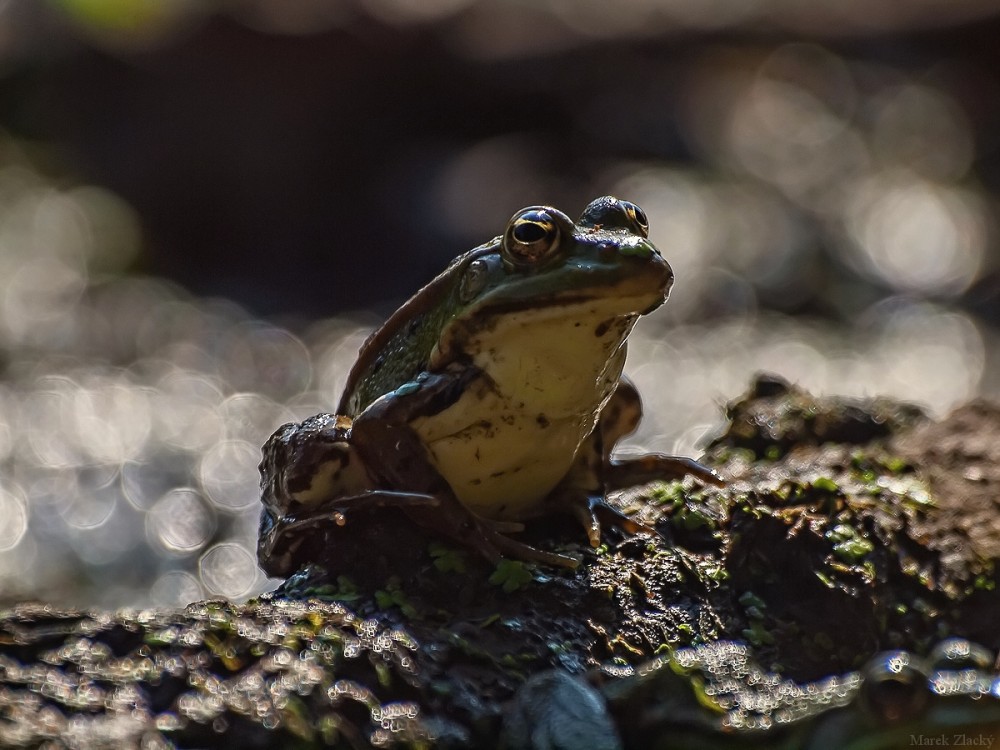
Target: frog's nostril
{"points": [[640, 249]]}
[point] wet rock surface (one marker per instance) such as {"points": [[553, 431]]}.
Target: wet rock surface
{"points": [[847, 528]]}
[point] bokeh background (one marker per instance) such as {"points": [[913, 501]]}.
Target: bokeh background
{"points": [[206, 205]]}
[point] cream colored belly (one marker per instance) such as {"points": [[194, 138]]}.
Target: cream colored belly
{"points": [[505, 464], [509, 440]]}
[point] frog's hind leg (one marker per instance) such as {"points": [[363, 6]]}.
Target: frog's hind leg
{"points": [[488, 537], [512, 548], [338, 509], [286, 542]]}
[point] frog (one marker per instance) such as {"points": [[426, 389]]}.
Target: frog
{"points": [[493, 396]]}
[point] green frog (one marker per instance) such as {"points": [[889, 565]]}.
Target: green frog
{"points": [[494, 395]]}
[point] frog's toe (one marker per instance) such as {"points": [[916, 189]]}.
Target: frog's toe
{"points": [[629, 472], [493, 543], [614, 517], [485, 535], [503, 527], [585, 514], [289, 533], [511, 548], [595, 510]]}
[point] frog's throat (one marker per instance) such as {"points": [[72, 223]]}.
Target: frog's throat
{"points": [[575, 309]]}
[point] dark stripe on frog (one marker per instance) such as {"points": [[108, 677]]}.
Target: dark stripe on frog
{"points": [[532, 303], [462, 330], [604, 327]]}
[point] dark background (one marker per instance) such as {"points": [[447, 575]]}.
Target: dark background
{"points": [[302, 171]]}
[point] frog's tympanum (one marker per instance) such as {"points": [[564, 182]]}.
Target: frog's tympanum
{"points": [[492, 396]]}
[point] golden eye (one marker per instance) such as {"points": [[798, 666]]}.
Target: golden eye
{"points": [[638, 217], [531, 235]]}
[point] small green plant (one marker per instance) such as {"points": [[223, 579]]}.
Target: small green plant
{"points": [[392, 595], [511, 575], [447, 559]]}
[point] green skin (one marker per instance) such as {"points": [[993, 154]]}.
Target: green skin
{"points": [[495, 394]]}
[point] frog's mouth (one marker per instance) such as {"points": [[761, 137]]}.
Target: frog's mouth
{"points": [[569, 304], [637, 294]]}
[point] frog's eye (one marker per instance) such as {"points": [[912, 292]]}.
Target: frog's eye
{"points": [[638, 217], [532, 235]]}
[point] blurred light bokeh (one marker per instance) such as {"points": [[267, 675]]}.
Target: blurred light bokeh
{"points": [[830, 212]]}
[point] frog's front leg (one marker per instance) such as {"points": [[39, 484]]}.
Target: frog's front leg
{"points": [[594, 472], [396, 457], [619, 419]]}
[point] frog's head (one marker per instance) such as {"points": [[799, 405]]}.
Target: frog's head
{"points": [[601, 269]]}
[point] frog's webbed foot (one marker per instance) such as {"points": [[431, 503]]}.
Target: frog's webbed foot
{"points": [[487, 536], [620, 473], [502, 527], [594, 509], [521, 551], [591, 508]]}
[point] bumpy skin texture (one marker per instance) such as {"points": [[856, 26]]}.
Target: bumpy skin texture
{"points": [[493, 396]]}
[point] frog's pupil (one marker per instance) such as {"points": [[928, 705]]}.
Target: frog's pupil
{"points": [[529, 232], [637, 215]]}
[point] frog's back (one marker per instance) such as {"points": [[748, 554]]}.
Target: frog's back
{"points": [[401, 347]]}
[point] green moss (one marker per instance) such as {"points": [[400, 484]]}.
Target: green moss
{"points": [[714, 571], [447, 559], [853, 550], [984, 583], [896, 465], [758, 635], [750, 599], [668, 494], [511, 575], [392, 596], [825, 579], [825, 484], [690, 519]]}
